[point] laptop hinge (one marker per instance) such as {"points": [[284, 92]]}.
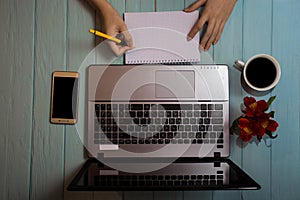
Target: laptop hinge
{"points": [[217, 156]]}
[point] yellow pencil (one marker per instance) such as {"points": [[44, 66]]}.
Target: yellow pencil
{"points": [[98, 33]]}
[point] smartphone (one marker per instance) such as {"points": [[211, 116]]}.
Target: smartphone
{"points": [[64, 97]]}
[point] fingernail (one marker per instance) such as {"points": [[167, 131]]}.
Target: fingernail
{"points": [[188, 38], [201, 48]]}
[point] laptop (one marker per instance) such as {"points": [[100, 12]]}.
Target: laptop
{"points": [[159, 127]]}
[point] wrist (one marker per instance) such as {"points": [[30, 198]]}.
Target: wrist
{"points": [[103, 7]]}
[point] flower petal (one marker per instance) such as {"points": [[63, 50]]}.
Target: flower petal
{"points": [[261, 106], [245, 137], [248, 101], [272, 126]]}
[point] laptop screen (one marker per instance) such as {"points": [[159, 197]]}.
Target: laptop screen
{"points": [[192, 174]]}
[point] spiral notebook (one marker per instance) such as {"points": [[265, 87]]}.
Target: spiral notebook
{"points": [[161, 37]]}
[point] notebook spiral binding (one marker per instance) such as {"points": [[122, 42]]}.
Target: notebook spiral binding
{"points": [[169, 62]]}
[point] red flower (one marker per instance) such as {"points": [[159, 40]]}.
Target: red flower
{"points": [[256, 122], [253, 107]]}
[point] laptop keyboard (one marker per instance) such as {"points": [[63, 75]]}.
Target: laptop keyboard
{"points": [[159, 123], [160, 180]]}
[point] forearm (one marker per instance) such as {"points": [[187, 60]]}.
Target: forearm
{"points": [[103, 7]]}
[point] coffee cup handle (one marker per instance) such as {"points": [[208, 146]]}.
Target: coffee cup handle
{"points": [[238, 64]]}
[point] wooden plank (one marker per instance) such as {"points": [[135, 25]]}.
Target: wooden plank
{"points": [[80, 43], [16, 86], [138, 195], [285, 165], [48, 139], [170, 5], [170, 195], [139, 6], [191, 195], [257, 29], [226, 51]]}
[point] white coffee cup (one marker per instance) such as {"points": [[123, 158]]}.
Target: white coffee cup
{"points": [[260, 74]]}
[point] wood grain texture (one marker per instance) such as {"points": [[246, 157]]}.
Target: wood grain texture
{"points": [[38, 159], [16, 88], [81, 17], [285, 159], [257, 29], [48, 139]]}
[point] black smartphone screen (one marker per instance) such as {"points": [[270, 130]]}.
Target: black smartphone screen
{"points": [[65, 97]]}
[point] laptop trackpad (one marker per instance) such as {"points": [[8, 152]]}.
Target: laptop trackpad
{"points": [[174, 84]]}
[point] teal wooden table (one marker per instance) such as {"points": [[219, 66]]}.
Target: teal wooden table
{"points": [[38, 159]]}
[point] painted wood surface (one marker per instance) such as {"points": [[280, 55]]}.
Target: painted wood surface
{"points": [[39, 159]]}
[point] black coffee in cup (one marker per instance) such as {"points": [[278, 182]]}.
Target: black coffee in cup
{"points": [[261, 72]]}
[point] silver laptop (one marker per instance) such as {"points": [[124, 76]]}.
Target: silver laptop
{"points": [[159, 127], [158, 111]]}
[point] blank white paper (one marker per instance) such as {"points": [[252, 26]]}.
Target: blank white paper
{"points": [[161, 37]]}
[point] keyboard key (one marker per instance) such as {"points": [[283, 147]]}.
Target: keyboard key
{"points": [[146, 106], [170, 135], [206, 121], [197, 107], [203, 106], [220, 135], [215, 114], [203, 114], [219, 141], [125, 121], [162, 135], [187, 128], [218, 127], [193, 121], [192, 135], [202, 128], [195, 128], [219, 107], [198, 135], [208, 128], [217, 120]]}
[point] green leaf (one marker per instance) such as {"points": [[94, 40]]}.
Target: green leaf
{"points": [[271, 99], [269, 133], [272, 114], [235, 123]]}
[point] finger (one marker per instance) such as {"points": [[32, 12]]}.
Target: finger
{"points": [[128, 38], [196, 28], [194, 6], [213, 36], [219, 33], [210, 40], [114, 48], [207, 34], [117, 49]]}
